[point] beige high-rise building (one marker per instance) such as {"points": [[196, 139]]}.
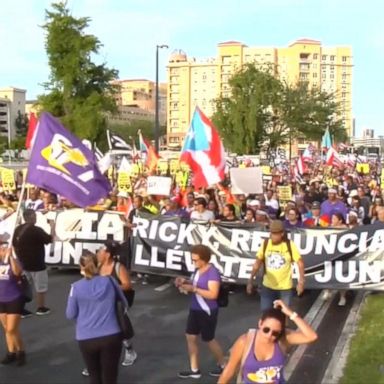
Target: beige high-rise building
{"points": [[140, 93], [12, 103], [199, 82]]}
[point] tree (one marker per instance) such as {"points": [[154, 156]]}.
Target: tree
{"points": [[264, 112], [21, 123], [243, 118], [79, 92]]}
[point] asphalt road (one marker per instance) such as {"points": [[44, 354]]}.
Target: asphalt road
{"points": [[159, 318]]}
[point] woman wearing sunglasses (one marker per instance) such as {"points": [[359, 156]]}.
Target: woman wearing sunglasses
{"points": [[259, 355]]}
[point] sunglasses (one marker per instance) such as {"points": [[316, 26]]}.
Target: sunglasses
{"points": [[275, 334]]}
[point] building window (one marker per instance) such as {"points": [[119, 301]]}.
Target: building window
{"points": [[344, 59], [343, 95], [315, 56], [332, 57], [314, 75], [324, 57]]}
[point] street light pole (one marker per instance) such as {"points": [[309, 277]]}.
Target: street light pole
{"points": [[157, 124]]}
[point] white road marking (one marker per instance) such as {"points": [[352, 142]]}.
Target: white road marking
{"points": [[314, 317], [336, 365], [163, 287]]}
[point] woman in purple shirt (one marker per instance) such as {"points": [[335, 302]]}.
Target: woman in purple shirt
{"points": [[260, 353], [11, 306], [202, 320]]}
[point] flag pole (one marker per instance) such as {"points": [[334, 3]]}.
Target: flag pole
{"points": [[17, 213]]}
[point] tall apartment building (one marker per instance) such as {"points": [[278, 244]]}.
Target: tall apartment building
{"points": [[199, 82], [12, 102], [140, 93]]}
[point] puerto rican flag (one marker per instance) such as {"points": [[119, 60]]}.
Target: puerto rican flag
{"points": [[203, 151], [32, 130], [333, 158]]}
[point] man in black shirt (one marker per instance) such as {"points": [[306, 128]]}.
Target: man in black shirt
{"points": [[29, 243]]}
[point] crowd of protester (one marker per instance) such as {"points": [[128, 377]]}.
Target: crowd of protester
{"points": [[336, 198]]}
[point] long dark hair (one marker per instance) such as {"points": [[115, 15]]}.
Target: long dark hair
{"points": [[275, 313]]}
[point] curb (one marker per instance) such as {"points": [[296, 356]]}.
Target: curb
{"points": [[334, 371]]}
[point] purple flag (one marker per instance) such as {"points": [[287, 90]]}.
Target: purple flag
{"points": [[61, 164]]}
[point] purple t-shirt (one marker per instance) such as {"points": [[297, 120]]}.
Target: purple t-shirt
{"points": [[266, 371], [328, 208], [9, 289], [198, 303]]}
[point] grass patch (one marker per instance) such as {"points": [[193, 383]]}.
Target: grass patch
{"points": [[365, 364]]}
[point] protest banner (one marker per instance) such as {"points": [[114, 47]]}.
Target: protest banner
{"points": [[158, 185], [246, 180], [338, 259]]}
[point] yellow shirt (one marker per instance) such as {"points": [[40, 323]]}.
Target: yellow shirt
{"points": [[278, 264]]}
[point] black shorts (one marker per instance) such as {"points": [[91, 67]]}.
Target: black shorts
{"points": [[199, 322], [12, 307]]}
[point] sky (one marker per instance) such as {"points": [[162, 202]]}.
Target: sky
{"points": [[130, 30]]}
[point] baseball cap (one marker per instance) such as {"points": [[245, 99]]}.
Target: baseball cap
{"points": [[123, 194], [315, 205], [276, 226], [332, 190], [112, 247], [253, 203]]}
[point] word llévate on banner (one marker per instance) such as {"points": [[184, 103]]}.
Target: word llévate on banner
{"points": [[340, 259]]}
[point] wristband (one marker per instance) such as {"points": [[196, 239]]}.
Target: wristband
{"points": [[293, 316]]}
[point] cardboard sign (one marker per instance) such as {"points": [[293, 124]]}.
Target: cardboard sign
{"points": [[158, 185], [246, 180], [363, 168], [285, 193], [124, 182], [8, 179]]}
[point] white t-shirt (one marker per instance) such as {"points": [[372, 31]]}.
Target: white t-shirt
{"points": [[206, 215]]}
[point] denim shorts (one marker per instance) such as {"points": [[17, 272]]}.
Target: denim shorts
{"points": [[268, 296]]}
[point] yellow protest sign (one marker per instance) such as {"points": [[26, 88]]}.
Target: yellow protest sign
{"points": [[27, 185], [124, 182], [181, 179], [8, 179], [162, 167], [285, 193], [362, 168], [135, 170], [266, 169], [382, 180], [174, 166], [110, 173], [184, 167]]}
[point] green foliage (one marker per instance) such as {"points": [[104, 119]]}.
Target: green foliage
{"points": [[263, 112], [79, 91], [21, 123]]}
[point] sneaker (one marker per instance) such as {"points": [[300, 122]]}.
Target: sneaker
{"points": [[85, 372], [43, 311], [25, 313], [9, 358], [20, 358], [216, 372], [130, 357], [190, 374], [342, 302], [145, 280], [326, 294]]}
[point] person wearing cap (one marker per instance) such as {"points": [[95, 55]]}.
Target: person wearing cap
{"points": [[313, 219], [277, 254], [332, 204], [11, 305]]}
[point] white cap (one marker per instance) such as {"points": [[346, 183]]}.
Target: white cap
{"points": [[254, 203], [353, 193], [332, 190]]}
